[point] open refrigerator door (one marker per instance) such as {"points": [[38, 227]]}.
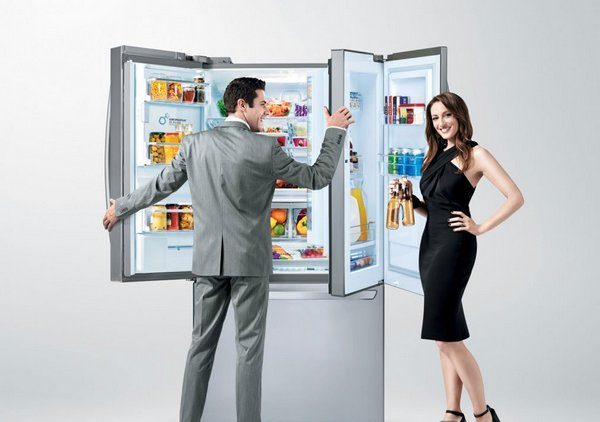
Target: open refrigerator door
{"points": [[159, 97], [356, 208], [411, 80]]}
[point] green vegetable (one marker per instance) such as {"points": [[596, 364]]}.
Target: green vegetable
{"points": [[222, 108]]}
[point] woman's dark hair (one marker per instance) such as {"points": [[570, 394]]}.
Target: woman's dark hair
{"points": [[244, 88], [458, 108]]}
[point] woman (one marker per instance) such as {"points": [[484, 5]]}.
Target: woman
{"points": [[451, 170]]}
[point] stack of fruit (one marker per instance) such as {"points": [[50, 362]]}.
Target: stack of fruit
{"points": [[312, 252], [278, 220]]}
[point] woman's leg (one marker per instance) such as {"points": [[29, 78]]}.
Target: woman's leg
{"points": [[452, 386], [468, 371]]}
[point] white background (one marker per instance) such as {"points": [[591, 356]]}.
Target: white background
{"points": [[76, 347]]}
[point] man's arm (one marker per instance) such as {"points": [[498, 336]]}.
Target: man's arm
{"points": [[321, 172], [165, 183]]}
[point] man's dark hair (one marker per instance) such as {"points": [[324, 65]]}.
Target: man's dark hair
{"points": [[244, 88]]}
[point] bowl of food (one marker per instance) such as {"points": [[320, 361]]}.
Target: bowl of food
{"points": [[279, 108]]}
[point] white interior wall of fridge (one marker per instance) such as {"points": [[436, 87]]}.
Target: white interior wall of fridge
{"points": [[156, 251], [418, 79], [303, 87], [160, 250], [363, 181]]}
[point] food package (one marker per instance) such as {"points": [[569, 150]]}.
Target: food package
{"points": [[273, 129], [282, 184], [173, 217], [300, 129], [300, 142], [279, 108], [173, 137], [279, 253], [158, 90], [158, 219], [156, 137], [157, 154], [170, 151], [174, 91], [312, 252], [186, 219]]}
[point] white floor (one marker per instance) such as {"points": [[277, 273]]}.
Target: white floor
{"points": [[414, 390]]}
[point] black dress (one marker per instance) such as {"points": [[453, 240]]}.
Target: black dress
{"points": [[446, 257]]}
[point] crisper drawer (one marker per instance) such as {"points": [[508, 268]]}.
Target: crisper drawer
{"points": [[164, 251], [404, 258]]}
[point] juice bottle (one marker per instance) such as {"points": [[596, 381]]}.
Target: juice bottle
{"points": [[357, 194]]}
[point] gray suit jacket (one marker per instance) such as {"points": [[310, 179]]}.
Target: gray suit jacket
{"points": [[232, 173]]}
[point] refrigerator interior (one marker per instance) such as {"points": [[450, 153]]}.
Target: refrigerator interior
{"points": [[418, 79], [166, 103]]}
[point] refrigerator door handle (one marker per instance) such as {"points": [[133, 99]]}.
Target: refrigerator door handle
{"points": [[106, 153]]}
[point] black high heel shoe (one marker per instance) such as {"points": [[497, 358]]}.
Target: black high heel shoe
{"points": [[455, 413], [495, 417]]}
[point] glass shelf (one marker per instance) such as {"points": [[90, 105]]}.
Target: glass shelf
{"points": [[400, 176], [175, 103], [159, 232], [288, 239], [359, 245], [300, 118], [365, 235], [274, 134], [177, 80], [296, 261], [164, 143]]}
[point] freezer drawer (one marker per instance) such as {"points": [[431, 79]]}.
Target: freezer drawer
{"points": [[323, 359]]}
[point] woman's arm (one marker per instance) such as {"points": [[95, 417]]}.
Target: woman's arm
{"points": [[419, 206], [487, 164]]}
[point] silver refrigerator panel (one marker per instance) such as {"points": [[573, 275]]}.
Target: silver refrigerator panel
{"points": [[323, 358]]}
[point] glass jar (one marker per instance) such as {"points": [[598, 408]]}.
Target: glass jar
{"points": [[200, 94], [189, 94], [159, 218]]}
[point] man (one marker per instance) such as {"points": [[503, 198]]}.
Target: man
{"points": [[232, 172]]}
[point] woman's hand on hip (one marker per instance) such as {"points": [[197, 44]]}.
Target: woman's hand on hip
{"points": [[463, 222]]}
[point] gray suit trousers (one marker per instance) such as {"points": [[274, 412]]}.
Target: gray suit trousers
{"points": [[250, 298]]}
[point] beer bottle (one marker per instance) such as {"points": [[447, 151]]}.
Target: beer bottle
{"points": [[392, 221], [408, 218]]}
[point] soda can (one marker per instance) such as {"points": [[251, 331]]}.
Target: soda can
{"points": [[400, 161], [392, 161], [400, 168], [405, 154]]}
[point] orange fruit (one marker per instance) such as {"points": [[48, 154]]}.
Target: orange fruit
{"points": [[279, 214]]}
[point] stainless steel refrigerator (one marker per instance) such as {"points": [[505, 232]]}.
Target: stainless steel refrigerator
{"points": [[332, 256]]}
